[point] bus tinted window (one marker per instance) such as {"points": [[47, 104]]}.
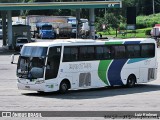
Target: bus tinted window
{"points": [[118, 52], [99, 52], [87, 53], [70, 54], [107, 52], [90, 54], [103, 52], [133, 51], [83, 53], [148, 50], [66, 54], [74, 54]]}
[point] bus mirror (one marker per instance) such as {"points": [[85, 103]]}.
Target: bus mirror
{"points": [[37, 72], [12, 58]]}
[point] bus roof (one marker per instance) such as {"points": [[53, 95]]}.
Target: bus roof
{"points": [[86, 41]]}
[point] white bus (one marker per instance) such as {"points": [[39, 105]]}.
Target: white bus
{"points": [[77, 64]]}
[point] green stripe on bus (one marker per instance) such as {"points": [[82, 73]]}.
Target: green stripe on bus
{"points": [[102, 70], [114, 43]]}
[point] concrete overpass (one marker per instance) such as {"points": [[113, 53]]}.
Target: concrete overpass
{"points": [[7, 9]]}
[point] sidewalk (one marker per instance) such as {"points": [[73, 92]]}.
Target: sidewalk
{"points": [[4, 49]]}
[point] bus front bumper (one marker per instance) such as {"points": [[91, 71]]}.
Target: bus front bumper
{"points": [[32, 87], [38, 87]]}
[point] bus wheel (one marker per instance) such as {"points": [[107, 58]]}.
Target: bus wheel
{"points": [[131, 81], [40, 92], [63, 87]]}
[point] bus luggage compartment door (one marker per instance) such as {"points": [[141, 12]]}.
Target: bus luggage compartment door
{"points": [[143, 75], [84, 79]]}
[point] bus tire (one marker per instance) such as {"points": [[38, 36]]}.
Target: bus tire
{"points": [[64, 86], [131, 81], [40, 92]]}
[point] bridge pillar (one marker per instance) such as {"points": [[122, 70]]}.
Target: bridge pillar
{"points": [[91, 23], [9, 26], [4, 30], [78, 23]]}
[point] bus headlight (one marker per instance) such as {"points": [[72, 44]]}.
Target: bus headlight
{"points": [[39, 82]]}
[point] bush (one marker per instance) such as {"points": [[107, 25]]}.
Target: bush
{"points": [[140, 25], [147, 21], [148, 32]]}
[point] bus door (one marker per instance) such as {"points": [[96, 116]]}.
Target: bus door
{"points": [[53, 62]]}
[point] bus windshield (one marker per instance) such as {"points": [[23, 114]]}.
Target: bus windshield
{"points": [[31, 62], [49, 27], [28, 65], [31, 51]]}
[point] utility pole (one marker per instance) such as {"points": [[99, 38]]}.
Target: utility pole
{"points": [[153, 7], [105, 9]]}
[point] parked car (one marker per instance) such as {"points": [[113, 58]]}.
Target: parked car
{"points": [[20, 41]]}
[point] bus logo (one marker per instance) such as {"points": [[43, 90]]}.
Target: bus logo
{"points": [[6, 114]]}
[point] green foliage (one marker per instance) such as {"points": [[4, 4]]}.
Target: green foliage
{"points": [[110, 20], [148, 32], [139, 33], [147, 21], [122, 26]]}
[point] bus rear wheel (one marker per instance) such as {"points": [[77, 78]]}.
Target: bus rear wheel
{"points": [[41, 92], [63, 88], [131, 81]]}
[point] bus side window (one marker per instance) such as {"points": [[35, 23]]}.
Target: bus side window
{"points": [[133, 51], [118, 52], [66, 54], [148, 50], [70, 54], [74, 54], [107, 52], [90, 53], [83, 53], [99, 52]]}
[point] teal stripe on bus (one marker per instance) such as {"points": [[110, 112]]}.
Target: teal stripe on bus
{"points": [[134, 60]]}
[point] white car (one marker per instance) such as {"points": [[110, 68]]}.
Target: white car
{"points": [[20, 41]]}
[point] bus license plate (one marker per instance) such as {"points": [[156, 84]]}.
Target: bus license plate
{"points": [[28, 87]]}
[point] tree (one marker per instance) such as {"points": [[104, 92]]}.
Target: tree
{"points": [[110, 20]]}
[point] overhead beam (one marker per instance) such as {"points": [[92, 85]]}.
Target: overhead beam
{"points": [[60, 5]]}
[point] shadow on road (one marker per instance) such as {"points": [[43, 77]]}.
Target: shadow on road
{"points": [[5, 51], [98, 92]]}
